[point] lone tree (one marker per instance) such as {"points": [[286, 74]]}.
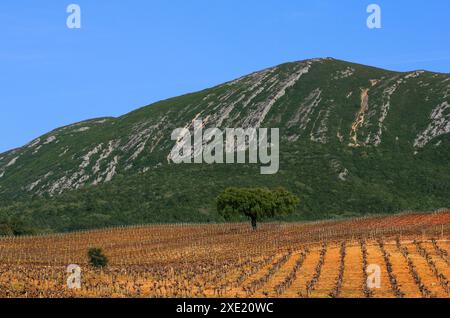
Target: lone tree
{"points": [[256, 203], [96, 258]]}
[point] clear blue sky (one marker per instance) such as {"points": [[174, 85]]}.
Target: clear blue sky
{"points": [[131, 53]]}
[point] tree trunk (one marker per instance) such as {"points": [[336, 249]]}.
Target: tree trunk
{"points": [[254, 225]]}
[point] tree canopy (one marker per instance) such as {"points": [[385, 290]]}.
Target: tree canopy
{"points": [[256, 203]]}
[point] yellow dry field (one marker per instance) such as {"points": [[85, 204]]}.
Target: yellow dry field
{"points": [[317, 260]]}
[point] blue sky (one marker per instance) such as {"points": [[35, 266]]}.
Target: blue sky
{"points": [[130, 54]]}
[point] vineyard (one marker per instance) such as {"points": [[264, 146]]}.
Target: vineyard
{"points": [[320, 259]]}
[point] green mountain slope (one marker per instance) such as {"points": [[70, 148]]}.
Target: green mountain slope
{"points": [[354, 140]]}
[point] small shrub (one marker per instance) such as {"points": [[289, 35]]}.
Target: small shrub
{"points": [[96, 258]]}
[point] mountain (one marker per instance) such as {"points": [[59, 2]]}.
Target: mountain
{"points": [[354, 140]]}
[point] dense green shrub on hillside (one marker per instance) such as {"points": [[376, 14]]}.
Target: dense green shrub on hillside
{"points": [[15, 227]]}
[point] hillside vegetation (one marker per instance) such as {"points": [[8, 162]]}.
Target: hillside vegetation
{"points": [[355, 140]]}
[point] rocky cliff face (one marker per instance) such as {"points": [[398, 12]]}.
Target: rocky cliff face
{"points": [[340, 111]]}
